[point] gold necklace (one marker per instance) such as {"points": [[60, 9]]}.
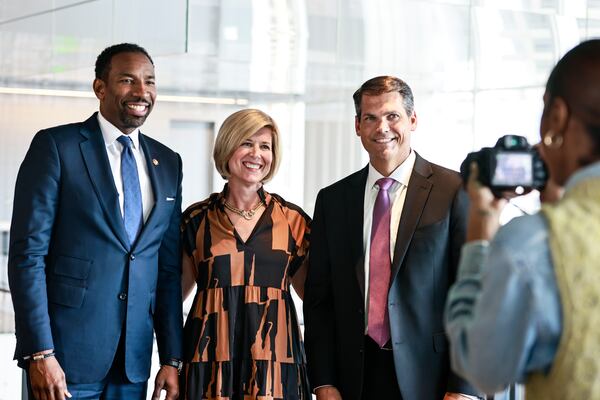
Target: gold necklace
{"points": [[247, 214]]}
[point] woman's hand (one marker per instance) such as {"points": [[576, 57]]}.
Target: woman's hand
{"points": [[484, 209]]}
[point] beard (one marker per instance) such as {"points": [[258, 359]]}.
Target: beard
{"points": [[129, 121]]}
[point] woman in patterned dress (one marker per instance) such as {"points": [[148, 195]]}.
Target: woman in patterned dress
{"points": [[242, 248]]}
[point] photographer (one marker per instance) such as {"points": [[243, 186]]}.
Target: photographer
{"points": [[526, 304]]}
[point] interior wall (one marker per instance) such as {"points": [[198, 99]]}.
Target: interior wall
{"points": [[22, 116]]}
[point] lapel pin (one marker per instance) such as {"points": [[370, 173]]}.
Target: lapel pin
{"points": [[154, 161]]}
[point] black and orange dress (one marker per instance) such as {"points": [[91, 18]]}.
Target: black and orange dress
{"points": [[241, 337]]}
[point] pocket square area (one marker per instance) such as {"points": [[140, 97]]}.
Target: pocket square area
{"points": [[170, 199]]}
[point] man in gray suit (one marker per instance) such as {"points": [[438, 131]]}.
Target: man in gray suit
{"points": [[385, 243]]}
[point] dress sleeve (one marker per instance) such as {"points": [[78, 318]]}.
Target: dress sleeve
{"points": [[300, 230], [191, 221]]}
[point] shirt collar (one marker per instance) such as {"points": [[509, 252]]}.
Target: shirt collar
{"points": [[111, 133], [587, 172], [401, 174]]}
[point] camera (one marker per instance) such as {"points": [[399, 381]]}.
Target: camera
{"points": [[512, 165]]}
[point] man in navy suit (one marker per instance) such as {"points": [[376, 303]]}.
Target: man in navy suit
{"points": [[94, 263], [385, 243]]}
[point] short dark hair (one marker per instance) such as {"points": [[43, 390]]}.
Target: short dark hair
{"points": [[104, 59], [385, 84], [576, 79]]}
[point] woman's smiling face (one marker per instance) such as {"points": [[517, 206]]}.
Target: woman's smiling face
{"points": [[251, 162]]}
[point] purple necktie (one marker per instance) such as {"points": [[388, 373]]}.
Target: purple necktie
{"points": [[380, 265]]}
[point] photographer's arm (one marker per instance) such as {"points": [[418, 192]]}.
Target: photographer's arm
{"points": [[493, 317]]}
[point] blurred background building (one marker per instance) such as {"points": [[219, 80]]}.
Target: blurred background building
{"points": [[477, 69]]}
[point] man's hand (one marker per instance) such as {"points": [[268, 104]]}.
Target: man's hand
{"points": [[328, 393], [459, 396], [48, 380], [166, 379], [484, 210]]}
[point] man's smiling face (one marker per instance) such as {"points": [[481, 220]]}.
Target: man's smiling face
{"points": [[128, 91], [384, 129]]}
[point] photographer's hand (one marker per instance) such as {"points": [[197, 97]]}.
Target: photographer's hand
{"points": [[484, 209]]}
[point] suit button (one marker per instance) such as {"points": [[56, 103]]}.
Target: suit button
{"points": [[122, 296], [132, 256], [360, 311]]}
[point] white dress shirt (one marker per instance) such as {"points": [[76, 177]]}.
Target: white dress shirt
{"points": [[397, 196], [110, 133]]}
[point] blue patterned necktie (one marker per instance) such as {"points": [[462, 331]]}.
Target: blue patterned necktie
{"points": [[132, 195]]}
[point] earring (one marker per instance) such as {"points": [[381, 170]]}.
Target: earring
{"points": [[552, 140]]}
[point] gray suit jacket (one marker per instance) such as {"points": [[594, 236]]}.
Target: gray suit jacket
{"points": [[424, 265]]}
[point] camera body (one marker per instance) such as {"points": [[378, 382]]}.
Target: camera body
{"points": [[512, 165]]}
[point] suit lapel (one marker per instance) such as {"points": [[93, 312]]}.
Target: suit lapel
{"points": [[417, 194], [355, 218], [95, 158]]}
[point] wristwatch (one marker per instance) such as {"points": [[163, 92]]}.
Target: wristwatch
{"points": [[173, 362]]}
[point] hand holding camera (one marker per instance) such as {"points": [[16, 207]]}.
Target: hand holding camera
{"points": [[512, 167], [484, 209], [494, 174]]}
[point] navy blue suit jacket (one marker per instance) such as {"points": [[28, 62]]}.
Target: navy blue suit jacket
{"points": [[77, 284], [428, 242]]}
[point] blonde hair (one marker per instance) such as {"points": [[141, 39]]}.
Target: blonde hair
{"points": [[237, 128]]}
